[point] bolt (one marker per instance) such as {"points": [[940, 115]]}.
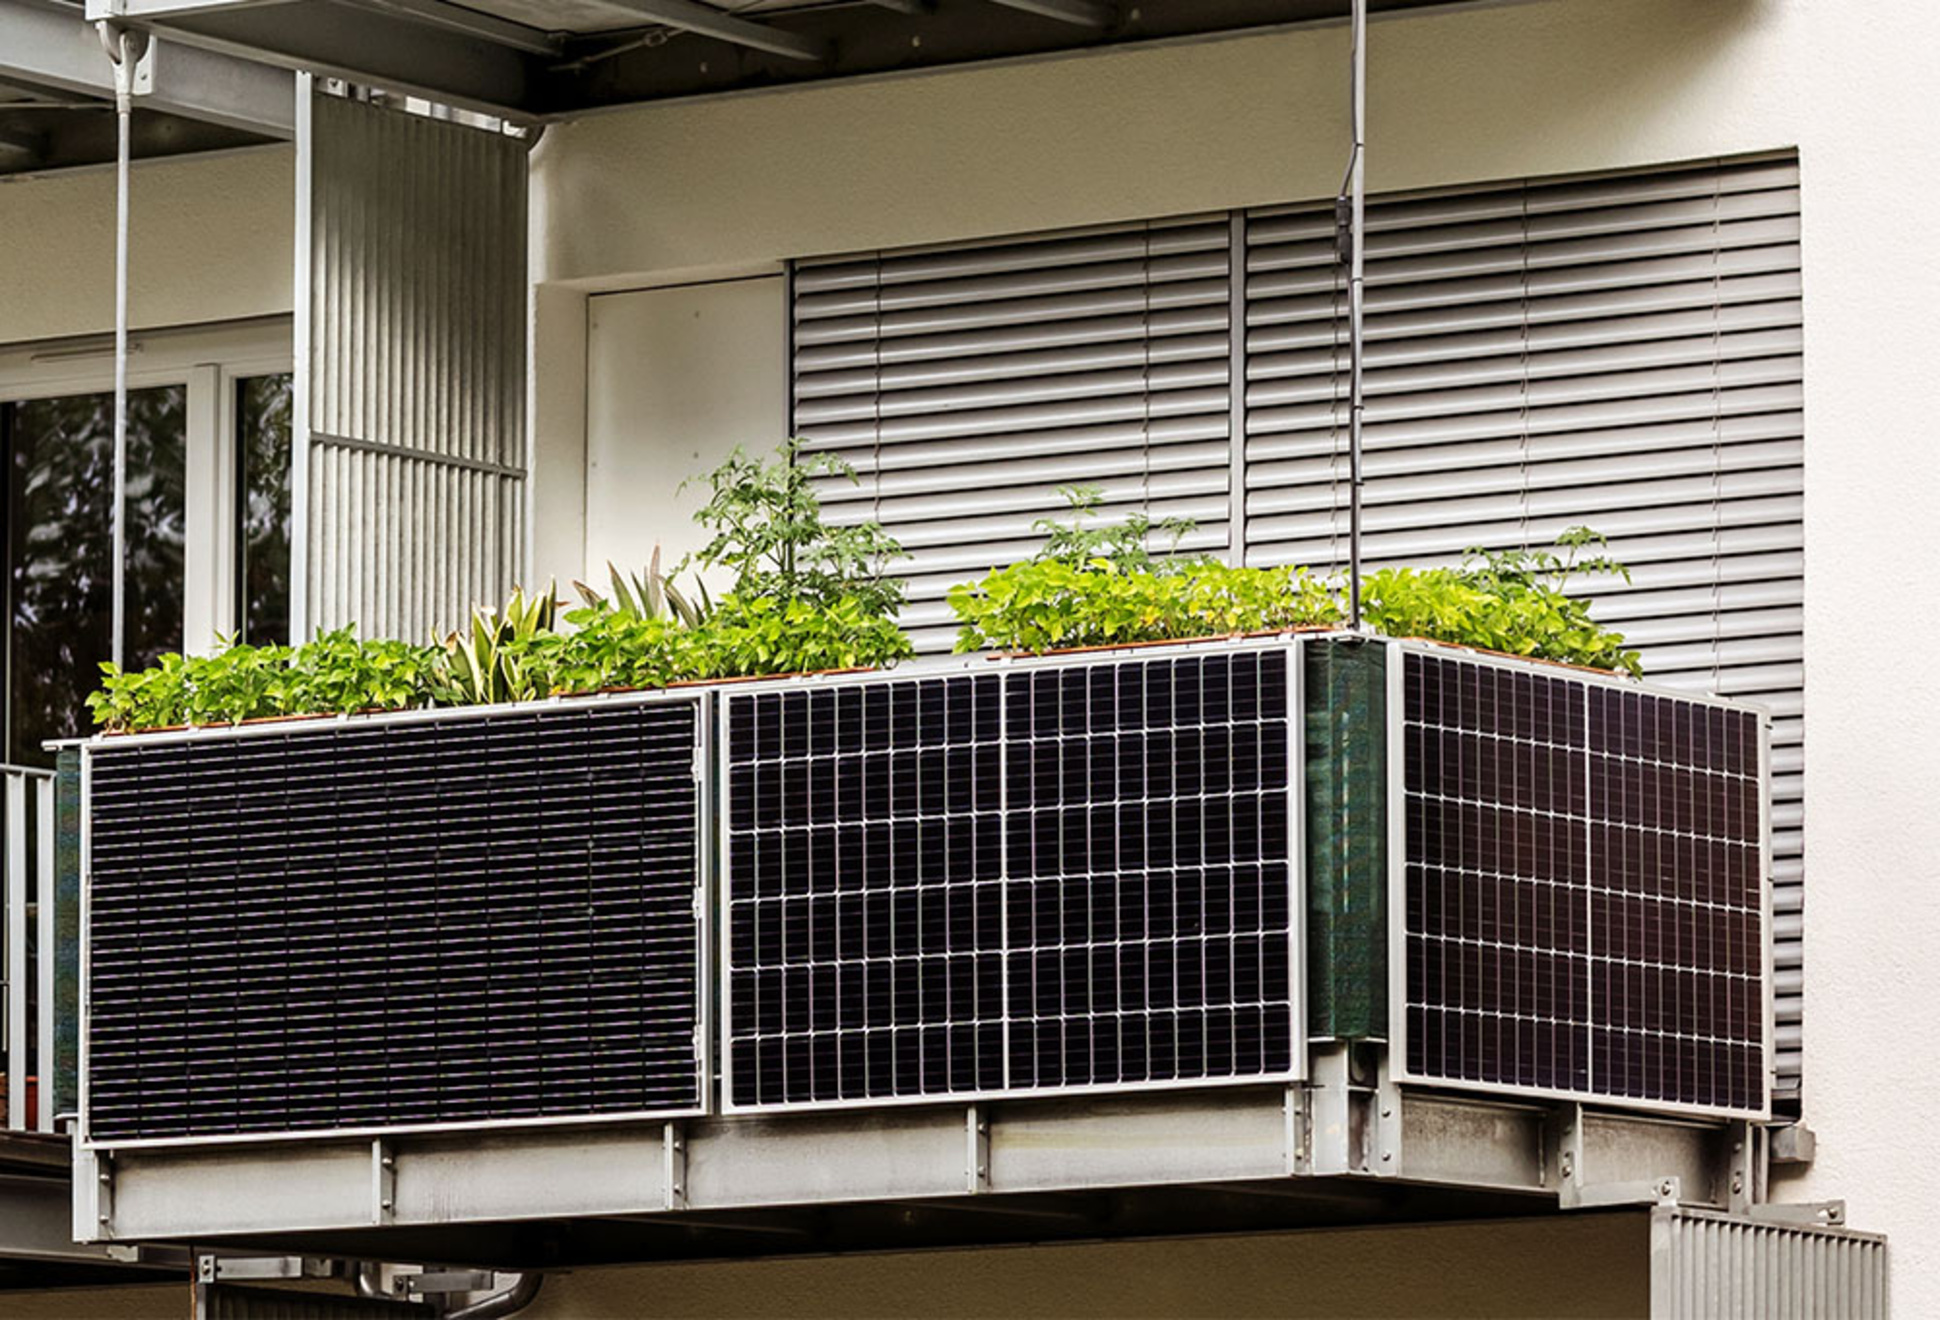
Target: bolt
{"points": [[390, 1161], [915, 42], [1664, 1188], [983, 1171], [1386, 1112], [679, 1190], [386, 1203], [1737, 1182], [104, 1219]]}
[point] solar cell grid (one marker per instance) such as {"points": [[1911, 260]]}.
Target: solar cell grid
{"points": [[394, 923], [1583, 887], [1041, 877]]}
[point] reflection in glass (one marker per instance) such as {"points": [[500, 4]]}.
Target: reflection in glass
{"points": [[263, 486], [60, 474]]}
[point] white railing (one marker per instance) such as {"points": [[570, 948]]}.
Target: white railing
{"points": [[28, 833]]}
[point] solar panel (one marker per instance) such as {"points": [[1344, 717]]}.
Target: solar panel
{"points": [[395, 922], [1582, 884], [1063, 875]]}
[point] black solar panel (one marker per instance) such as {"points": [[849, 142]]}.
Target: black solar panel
{"points": [[379, 923], [1045, 876], [1583, 887]]}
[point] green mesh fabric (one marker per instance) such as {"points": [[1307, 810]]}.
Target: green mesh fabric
{"points": [[1347, 839], [67, 930]]}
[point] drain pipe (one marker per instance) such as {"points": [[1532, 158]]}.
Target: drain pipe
{"points": [[1350, 215], [510, 1302]]}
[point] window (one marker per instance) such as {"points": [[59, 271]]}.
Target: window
{"points": [[208, 510], [263, 509], [60, 479]]}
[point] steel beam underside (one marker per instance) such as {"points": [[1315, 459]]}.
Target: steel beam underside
{"points": [[955, 1174]]}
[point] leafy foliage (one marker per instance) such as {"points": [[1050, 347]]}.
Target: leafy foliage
{"points": [[1512, 601], [487, 662], [650, 594], [1041, 605], [808, 597], [1125, 545], [769, 533], [337, 672], [1103, 586]]}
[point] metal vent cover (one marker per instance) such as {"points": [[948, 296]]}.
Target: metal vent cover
{"points": [[1072, 874], [409, 921]]}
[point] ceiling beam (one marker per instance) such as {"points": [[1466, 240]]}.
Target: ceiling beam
{"points": [[905, 6], [1079, 13], [689, 16], [370, 44], [457, 18], [54, 50]]}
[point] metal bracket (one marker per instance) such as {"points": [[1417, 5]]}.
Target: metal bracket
{"points": [[383, 1182], [210, 1268], [1820, 1214], [101, 1201], [1298, 1107], [673, 1144], [1576, 1186], [442, 1283], [1742, 1183], [976, 1141], [1354, 1119]]}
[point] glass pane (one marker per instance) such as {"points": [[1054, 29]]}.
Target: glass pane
{"points": [[60, 480], [263, 537]]}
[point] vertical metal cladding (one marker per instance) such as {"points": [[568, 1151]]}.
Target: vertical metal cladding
{"points": [[396, 922], [1059, 875], [416, 405], [1711, 1267]]}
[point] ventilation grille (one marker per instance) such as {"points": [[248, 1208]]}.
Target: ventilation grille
{"points": [[1584, 888], [1063, 876], [394, 923]]}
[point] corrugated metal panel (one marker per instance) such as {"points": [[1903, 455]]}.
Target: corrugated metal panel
{"points": [[1621, 352], [1712, 1267], [965, 385], [414, 367]]}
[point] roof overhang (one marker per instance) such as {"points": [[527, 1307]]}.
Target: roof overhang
{"points": [[535, 60]]}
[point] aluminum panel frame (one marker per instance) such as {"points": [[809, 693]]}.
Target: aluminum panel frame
{"points": [[702, 698], [1398, 877], [1291, 643]]}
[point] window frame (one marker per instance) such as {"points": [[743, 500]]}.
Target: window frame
{"points": [[208, 361]]}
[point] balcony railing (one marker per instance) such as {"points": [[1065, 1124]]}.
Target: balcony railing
{"points": [[29, 834]]}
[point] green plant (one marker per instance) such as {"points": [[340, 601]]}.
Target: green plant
{"points": [[1041, 605], [649, 594], [1125, 545], [769, 533], [1512, 601], [491, 660], [765, 635], [336, 672]]}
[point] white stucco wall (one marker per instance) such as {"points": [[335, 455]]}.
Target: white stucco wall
{"points": [[209, 240], [733, 185]]}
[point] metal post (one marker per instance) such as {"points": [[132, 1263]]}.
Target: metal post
{"points": [[123, 49], [1351, 214]]}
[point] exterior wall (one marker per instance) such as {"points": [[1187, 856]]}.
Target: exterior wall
{"points": [[209, 240], [1592, 1265], [731, 186]]}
